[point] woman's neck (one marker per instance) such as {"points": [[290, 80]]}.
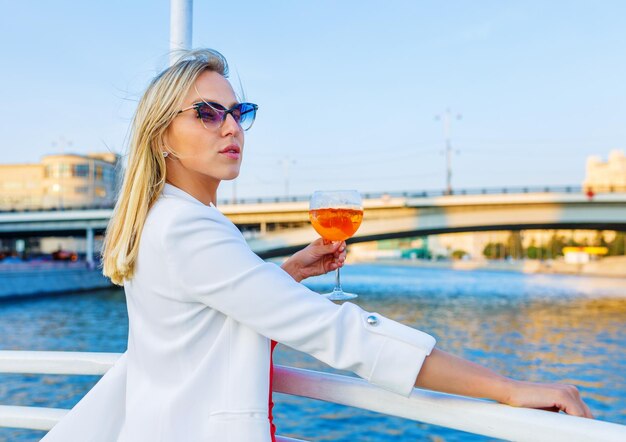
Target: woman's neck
{"points": [[204, 190]]}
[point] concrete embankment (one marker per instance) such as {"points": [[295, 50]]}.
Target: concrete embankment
{"points": [[610, 266], [22, 280], [614, 266]]}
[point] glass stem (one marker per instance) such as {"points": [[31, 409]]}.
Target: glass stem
{"points": [[337, 282]]}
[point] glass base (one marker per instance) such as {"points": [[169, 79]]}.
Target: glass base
{"points": [[339, 295]]}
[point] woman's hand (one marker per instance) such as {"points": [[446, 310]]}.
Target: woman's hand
{"points": [[442, 371], [317, 258], [552, 397]]}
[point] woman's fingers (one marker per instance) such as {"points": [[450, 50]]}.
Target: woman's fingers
{"points": [[337, 261], [551, 397], [588, 412], [330, 254], [341, 251], [579, 408], [340, 257], [571, 402], [573, 409]]}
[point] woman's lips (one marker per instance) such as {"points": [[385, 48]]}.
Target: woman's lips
{"points": [[231, 155], [233, 152]]}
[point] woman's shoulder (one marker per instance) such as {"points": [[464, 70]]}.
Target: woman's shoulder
{"points": [[171, 209], [174, 214]]}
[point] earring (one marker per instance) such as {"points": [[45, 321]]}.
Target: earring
{"points": [[165, 154]]}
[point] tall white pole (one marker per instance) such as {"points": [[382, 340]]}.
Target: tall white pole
{"points": [[181, 18], [446, 117], [286, 162], [446, 132]]}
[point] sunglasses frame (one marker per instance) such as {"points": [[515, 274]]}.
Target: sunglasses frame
{"points": [[222, 109]]}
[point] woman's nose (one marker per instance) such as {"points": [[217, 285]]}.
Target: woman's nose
{"points": [[230, 126]]}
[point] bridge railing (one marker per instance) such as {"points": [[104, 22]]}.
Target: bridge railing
{"points": [[460, 413], [375, 195], [440, 193]]}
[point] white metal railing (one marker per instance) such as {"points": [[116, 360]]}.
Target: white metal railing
{"points": [[461, 413]]}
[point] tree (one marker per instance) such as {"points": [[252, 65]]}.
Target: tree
{"points": [[458, 254], [599, 240], [494, 250], [515, 248], [617, 246], [535, 252], [556, 244]]}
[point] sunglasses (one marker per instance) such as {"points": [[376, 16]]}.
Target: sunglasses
{"points": [[213, 115]]}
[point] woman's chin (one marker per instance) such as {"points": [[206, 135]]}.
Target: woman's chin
{"points": [[231, 175]]}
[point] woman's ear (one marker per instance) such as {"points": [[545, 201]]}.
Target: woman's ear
{"points": [[164, 147]]}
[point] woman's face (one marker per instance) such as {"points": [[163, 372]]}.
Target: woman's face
{"points": [[206, 153]]}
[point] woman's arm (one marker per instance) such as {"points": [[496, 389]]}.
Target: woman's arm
{"points": [[227, 276], [447, 373], [209, 262]]}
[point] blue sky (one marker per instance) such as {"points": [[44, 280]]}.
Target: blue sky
{"points": [[348, 91]]}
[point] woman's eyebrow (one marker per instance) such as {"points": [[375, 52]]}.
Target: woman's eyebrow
{"points": [[209, 100]]}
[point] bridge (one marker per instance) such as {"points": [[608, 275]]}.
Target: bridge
{"points": [[279, 226], [389, 217]]}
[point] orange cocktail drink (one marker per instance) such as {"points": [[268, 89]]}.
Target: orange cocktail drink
{"points": [[336, 224], [336, 215]]}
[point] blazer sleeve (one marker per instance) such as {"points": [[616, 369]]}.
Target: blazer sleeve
{"points": [[211, 263]]}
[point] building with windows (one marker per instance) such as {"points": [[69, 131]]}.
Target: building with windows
{"points": [[606, 175], [61, 182]]}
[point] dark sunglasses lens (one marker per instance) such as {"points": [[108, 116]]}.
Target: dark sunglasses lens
{"points": [[209, 115], [247, 114]]}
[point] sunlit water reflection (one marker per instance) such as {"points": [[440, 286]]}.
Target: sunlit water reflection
{"points": [[536, 327]]}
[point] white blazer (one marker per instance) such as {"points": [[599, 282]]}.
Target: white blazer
{"points": [[202, 309]]}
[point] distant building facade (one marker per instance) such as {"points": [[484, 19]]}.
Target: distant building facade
{"points": [[606, 174], [61, 182]]}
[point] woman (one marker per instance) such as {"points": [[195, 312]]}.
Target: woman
{"points": [[203, 308]]}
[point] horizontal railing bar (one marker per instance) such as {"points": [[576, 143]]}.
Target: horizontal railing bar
{"points": [[367, 195], [56, 362], [32, 418], [40, 418], [461, 413]]}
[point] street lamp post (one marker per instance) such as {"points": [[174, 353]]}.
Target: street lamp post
{"points": [[446, 118], [286, 163]]}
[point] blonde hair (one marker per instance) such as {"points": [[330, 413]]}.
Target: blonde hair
{"points": [[144, 178]]}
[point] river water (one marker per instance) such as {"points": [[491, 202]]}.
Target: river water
{"points": [[536, 327]]}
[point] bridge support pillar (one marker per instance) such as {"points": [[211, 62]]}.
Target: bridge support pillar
{"points": [[89, 251], [263, 228]]}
